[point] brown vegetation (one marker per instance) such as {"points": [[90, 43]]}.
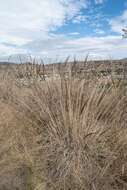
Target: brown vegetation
{"points": [[66, 133]]}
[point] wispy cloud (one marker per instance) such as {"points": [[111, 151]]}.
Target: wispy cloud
{"points": [[119, 22], [99, 31], [99, 1], [62, 46], [74, 33], [80, 18]]}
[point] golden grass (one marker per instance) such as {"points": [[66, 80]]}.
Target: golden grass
{"points": [[70, 133]]}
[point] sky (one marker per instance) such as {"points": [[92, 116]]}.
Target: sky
{"points": [[55, 29]]}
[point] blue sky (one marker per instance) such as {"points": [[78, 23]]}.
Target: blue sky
{"points": [[93, 20], [58, 28]]}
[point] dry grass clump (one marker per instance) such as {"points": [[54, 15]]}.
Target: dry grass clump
{"points": [[71, 133], [75, 133]]}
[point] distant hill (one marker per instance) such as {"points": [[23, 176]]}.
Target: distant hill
{"points": [[124, 59]]}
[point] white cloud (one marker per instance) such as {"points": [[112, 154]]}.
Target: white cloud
{"points": [[74, 33], [99, 31], [6, 50], [99, 1], [79, 18], [61, 46], [26, 20], [119, 22]]}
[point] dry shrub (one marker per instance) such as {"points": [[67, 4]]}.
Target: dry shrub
{"points": [[76, 134]]}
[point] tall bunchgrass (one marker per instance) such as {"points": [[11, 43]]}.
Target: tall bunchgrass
{"points": [[70, 132]]}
